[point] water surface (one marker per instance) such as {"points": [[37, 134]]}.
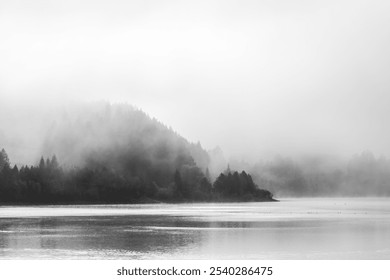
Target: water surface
{"points": [[342, 228]]}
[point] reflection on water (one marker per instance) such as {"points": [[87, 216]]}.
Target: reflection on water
{"points": [[291, 229]]}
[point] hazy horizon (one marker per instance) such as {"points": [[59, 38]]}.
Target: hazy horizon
{"points": [[257, 78]]}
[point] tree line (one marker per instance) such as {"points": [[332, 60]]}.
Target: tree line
{"points": [[49, 183]]}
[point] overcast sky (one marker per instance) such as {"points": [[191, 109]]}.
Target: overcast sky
{"points": [[257, 78]]}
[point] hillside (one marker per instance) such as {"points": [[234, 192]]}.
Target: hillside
{"points": [[122, 138], [103, 153]]}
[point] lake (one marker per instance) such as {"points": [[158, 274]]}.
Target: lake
{"points": [[312, 228]]}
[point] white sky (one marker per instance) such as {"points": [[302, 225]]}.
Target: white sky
{"points": [[257, 78]]}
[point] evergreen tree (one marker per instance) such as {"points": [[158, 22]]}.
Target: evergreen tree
{"points": [[54, 162], [42, 163], [4, 160]]}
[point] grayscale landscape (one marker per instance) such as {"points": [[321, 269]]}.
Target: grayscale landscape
{"points": [[194, 130]]}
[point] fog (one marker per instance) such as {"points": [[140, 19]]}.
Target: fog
{"points": [[256, 78]]}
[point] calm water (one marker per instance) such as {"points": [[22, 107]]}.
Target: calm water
{"points": [[290, 229]]}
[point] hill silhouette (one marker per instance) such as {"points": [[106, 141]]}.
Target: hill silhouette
{"points": [[104, 153]]}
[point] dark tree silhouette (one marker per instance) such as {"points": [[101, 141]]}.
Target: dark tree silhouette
{"points": [[49, 183], [4, 161], [239, 187]]}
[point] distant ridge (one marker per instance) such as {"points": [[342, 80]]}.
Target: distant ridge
{"points": [[121, 137]]}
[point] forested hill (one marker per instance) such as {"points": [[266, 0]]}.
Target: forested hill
{"points": [[121, 137], [118, 154]]}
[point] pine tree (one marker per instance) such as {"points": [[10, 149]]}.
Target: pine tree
{"points": [[42, 163], [4, 160], [54, 162]]}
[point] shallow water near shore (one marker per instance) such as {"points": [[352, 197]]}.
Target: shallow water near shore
{"points": [[307, 228]]}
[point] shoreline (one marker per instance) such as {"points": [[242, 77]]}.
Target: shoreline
{"points": [[140, 202]]}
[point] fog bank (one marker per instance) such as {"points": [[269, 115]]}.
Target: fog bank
{"points": [[257, 78]]}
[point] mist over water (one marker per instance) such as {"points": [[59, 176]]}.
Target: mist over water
{"points": [[98, 134], [294, 94], [292, 229], [166, 129]]}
